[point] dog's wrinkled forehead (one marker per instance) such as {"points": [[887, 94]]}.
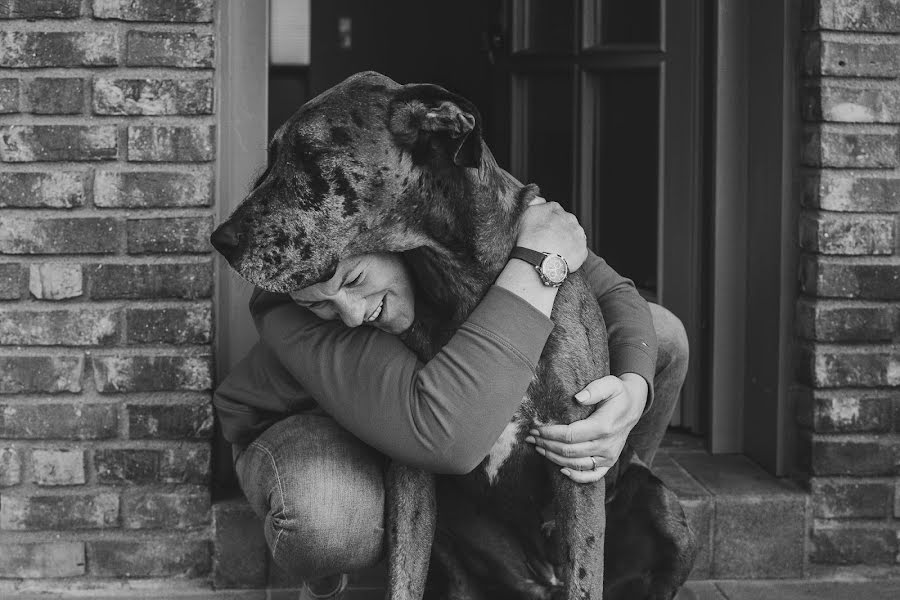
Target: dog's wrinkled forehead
{"points": [[343, 116]]}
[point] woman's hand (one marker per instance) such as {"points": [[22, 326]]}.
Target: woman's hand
{"points": [[600, 436], [546, 227]]}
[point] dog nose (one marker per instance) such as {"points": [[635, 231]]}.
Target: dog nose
{"points": [[227, 239]]}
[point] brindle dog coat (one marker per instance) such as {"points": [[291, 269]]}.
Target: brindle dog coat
{"points": [[373, 166]]}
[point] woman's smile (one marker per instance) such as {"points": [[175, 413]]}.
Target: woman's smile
{"points": [[371, 289]]}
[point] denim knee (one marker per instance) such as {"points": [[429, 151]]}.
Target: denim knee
{"points": [[321, 495], [674, 352]]}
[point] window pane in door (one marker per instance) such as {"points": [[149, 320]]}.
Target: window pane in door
{"points": [[548, 102], [627, 22], [626, 172], [545, 26]]}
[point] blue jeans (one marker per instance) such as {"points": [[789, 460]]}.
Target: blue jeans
{"points": [[321, 490]]}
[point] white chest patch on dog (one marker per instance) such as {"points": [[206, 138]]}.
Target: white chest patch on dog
{"points": [[501, 449]]}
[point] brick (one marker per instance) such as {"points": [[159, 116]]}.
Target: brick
{"points": [[825, 146], [9, 96], [56, 95], [10, 467], [836, 233], [189, 463], [171, 144], [82, 511], [179, 325], [849, 366], [897, 499], [55, 281], [69, 327], [168, 49], [853, 15], [10, 281], [58, 467], [180, 509], [128, 466], [847, 545], [852, 191], [840, 57], [165, 189], [114, 374], [163, 280], [58, 421], [179, 11], [54, 189], [170, 421], [29, 143], [153, 96], [30, 49], [856, 458], [827, 411], [849, 321], [46, 9], [81, 235], [169, 235], [873, 279], [758, 538], [151, 558], [33, 374], [851, 102], [41, 560], [837, 499]]}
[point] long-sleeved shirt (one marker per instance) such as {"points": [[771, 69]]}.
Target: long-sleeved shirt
{"points": [[443, 415]]}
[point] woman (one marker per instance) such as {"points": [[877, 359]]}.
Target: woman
{"points": [[320, 401]]}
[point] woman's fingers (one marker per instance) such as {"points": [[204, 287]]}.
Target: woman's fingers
{"points": [[586, 476], [600, 390], [580, 470], [581, 463], [577, 450]]}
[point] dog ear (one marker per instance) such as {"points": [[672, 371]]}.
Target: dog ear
{"points": [[422, 115]]}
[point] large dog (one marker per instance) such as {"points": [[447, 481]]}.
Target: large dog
{"points": [[373, 166]]}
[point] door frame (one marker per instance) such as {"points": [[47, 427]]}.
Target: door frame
{"points": [[755, 241], [242, 89], [242, 84]]}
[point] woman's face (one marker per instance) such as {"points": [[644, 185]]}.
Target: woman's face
{"points": [[370, 289]]}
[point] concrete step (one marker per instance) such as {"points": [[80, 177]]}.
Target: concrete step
{"points": [[751, 525]]}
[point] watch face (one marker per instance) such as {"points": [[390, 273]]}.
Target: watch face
{"points": [[555, 268]]}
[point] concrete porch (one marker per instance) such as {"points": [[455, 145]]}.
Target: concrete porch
{"points": [[754, 529]]}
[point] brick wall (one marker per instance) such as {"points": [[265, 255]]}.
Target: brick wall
{"points": [[849, 315], [107, 149]]}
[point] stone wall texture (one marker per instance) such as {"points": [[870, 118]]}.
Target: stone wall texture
{"points": [[107, 156], [848, 317]]}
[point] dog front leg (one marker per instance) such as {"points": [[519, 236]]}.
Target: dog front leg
{"points": [[580, 527], [412, 510]]}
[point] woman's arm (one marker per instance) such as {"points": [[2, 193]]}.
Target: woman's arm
{"points": [[442, 416]]}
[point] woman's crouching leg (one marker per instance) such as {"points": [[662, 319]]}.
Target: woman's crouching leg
{"points": [[321, 493]]}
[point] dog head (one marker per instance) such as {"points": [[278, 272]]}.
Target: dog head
{"points": [[355, 170]]}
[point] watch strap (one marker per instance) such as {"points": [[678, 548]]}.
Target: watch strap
{"points": [[532, 257]]}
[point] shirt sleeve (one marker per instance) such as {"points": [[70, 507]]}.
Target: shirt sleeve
{"points": [[443, 415], [632, 338]]}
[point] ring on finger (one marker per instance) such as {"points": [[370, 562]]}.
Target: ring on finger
{"points": [[594, 462]]}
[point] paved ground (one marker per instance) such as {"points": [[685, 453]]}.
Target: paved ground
{"points": [[791, 590], [696, 590]]}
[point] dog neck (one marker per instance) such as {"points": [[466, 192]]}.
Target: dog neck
{"points": [[472, 239]]}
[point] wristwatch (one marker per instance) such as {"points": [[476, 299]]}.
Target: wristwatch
{"points": [[551, 268]]}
